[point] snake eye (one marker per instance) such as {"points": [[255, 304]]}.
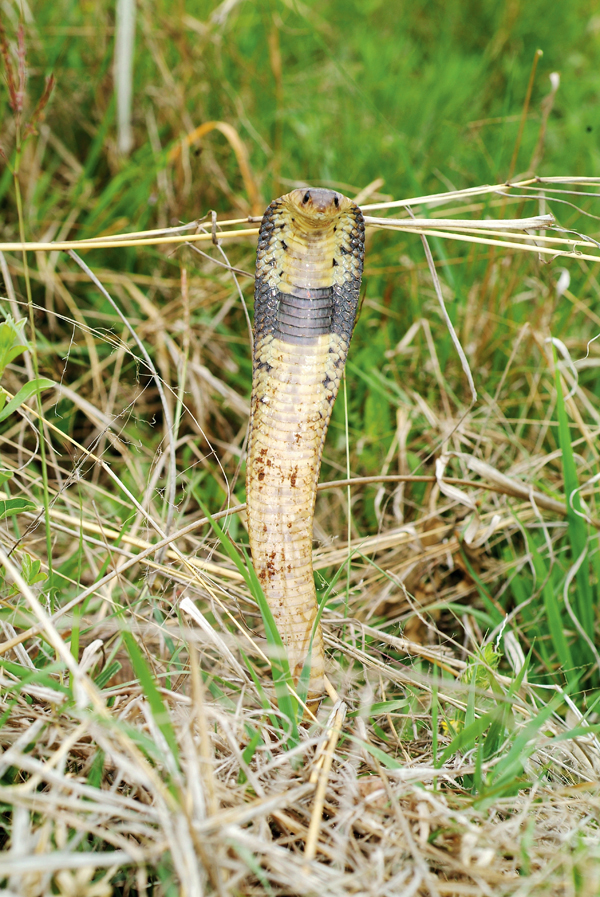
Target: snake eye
{"points": [[306, 198], [336, 202]]}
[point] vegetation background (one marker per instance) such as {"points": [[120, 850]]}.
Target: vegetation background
{"points": [[145, 752]]}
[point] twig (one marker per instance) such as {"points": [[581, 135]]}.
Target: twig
{"points": [[339, 715], [463, 358]]}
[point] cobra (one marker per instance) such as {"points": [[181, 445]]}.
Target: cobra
{"points": [[308, 273]]}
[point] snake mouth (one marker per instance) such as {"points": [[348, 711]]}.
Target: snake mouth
{"points": [[316, 206]]}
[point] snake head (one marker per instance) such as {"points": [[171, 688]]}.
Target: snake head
{"points": [[317, 206]]}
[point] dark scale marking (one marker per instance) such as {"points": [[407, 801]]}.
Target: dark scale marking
{"points": [[302, 319]]}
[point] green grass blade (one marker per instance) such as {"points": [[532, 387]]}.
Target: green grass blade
{"points": [[26, 392], [554, 618], [466, 739], [577, 527], [389, 762], [146, 679]]}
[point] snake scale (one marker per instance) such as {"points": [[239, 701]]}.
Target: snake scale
{"points": [[308, 273]]}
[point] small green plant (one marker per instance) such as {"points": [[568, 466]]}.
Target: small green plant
{"points": [[13, 344], [479, 674]]}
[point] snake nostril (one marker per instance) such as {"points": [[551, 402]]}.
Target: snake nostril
{"points": [[306, 197]]}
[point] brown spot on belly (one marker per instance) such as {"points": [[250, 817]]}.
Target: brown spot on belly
{"points": [[271, 569]]}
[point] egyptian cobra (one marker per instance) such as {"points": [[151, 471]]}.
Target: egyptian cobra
{"points": [[308, 273]]}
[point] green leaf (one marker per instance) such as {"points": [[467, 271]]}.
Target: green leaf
{"points": [[25, 393], [107, 673], [467, 737], [32, 572], [96, 769], [380, 708], [26, 676], [248, 753], [11, 506], [8, 355], [11, 345], [376, 752]]}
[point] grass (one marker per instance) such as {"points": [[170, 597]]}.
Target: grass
{"points": [[146, 748]]}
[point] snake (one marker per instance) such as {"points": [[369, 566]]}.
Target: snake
{"points": [[309, 265]]}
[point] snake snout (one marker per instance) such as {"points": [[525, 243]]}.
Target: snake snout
{"points": [[318, 201]]}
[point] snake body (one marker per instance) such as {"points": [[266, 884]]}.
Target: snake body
{"points": [[308, 274]]}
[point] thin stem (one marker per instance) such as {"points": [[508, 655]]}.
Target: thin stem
{"points": [[513, 162]]}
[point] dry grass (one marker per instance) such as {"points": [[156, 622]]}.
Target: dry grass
{"points": [[367, 803]]}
